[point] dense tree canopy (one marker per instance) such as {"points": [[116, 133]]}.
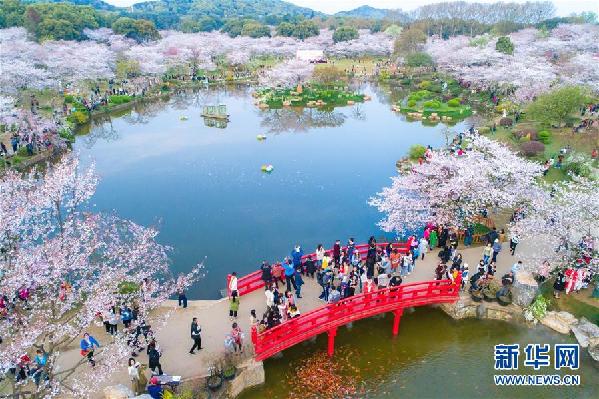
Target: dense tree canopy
{"points": [[300, 30], [344, 34], [140, 30], [410, 40], [59, 21], [555, 107]]}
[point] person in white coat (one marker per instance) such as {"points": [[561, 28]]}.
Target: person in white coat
{"points": [[423, 247]]}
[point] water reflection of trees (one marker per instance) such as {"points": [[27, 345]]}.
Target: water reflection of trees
{"points": [[101, 129], [300, 119]]}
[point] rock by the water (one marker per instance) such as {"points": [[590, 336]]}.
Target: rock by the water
{"points": [[561, 322], [594, 352], [586, 333], [525, 288], [118, 392]]}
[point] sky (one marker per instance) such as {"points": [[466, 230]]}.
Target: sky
{"points": [[563, 7]]}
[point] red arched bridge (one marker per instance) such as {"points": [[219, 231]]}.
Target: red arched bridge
{"points": [[328, 318]]}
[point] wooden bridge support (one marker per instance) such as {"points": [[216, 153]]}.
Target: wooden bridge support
{"points": [[396, 318], [331, 347]]}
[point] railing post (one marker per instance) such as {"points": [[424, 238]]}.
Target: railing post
{"points": [[396, 317], [331, 346]]}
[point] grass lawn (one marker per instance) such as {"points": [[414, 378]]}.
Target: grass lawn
{"points": [[347, 63]]}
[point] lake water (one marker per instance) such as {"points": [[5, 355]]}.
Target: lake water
{"points": [[204, 188]]}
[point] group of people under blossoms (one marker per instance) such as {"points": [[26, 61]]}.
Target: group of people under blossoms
{"points": [[577, 276]]}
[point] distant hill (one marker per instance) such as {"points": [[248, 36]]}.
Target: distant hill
{"points": [[365, 12], [368, 12], [97, 4]]}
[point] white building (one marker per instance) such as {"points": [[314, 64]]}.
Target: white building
{"points": [[310, 55]]}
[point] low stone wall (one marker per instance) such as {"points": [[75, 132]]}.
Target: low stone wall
{"points": [[250, 374], [466, 307]]}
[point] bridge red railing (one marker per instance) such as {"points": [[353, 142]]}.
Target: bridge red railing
{"points": [[328, 318], [253, 281]]}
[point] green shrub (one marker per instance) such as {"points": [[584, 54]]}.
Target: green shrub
{"points": [[425, 84], [539, 307], [436, 104], [412, 103], [419, 60], [22, 151], [579, 164], [119, 99], [67, 134], [416, 151], [544, 136], [69, 98], [78, 117], [454, 102], [504, 45]]}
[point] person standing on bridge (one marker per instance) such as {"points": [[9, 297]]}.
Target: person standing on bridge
{"points": [[296, 256], [337, 253], [233, 284], [289, 274], [298, 283], [266, 273], [195, 335], [351, 247], [319, 255]]}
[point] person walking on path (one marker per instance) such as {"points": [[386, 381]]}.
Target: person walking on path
{"points": [[135, 375], [289, 275], [423, 247], [233, 284], [433, 239], [88, 344], [237, 338], [182, 297], [487, 252], [154, 357], [496, 249], [233, 306], [514, 241], [298, 283], [195, 335]]}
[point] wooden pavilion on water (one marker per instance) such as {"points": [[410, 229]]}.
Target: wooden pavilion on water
{"points": [[216, 112]]}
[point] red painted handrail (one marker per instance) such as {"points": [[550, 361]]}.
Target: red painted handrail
{"points": [[329, 317], [253, 281]]}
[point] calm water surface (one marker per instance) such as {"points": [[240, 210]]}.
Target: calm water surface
{"points": [[204, 188]]}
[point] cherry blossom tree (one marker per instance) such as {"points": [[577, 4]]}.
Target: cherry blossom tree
{"points": [[62, 266], [561, 223], [451, 189], [566, 56], [288, 73]]}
